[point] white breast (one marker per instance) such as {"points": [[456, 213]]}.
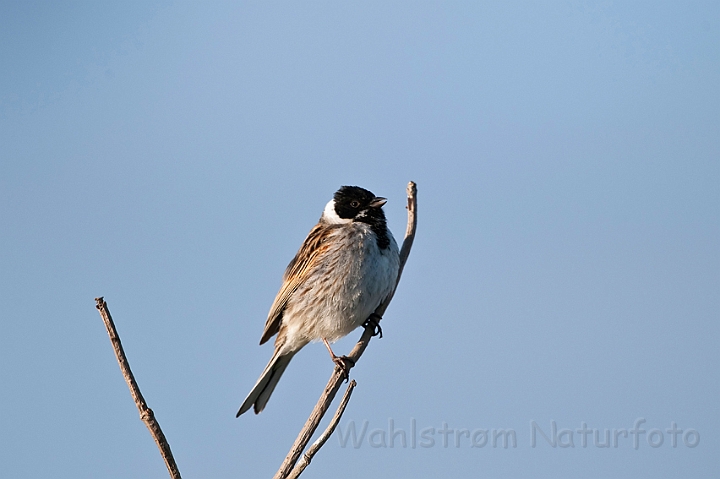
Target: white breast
{"points": [[344, 289]]}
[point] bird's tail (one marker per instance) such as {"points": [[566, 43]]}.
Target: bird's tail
{"points": [[264, 386]]}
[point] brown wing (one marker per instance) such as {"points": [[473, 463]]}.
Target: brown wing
{"points": [[296, 273]]}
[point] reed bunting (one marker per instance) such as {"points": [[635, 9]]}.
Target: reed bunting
{"points": [[346, 267]]}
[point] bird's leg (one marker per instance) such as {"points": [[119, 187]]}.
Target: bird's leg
{"points": [[374, 321], [344, 362]]}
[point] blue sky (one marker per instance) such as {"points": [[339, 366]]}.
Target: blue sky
{"points": [[172, 156]]}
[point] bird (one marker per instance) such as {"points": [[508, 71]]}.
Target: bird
{"points": [[347, 265]]}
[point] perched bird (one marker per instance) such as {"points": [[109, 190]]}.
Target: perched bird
{"points": [[346, 267]]}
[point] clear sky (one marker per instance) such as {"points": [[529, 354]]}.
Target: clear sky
{"points": [[172, 156]]}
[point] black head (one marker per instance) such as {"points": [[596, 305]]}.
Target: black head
{"points": [[353, 202]]}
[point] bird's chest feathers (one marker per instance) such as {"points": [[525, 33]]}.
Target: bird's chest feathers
{"points": [[367, 270], [347, 286]]}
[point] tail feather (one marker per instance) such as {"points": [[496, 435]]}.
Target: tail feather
{"points": [[264, 386]]}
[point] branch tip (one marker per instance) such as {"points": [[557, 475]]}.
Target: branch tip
{"points": [[146, 414]]}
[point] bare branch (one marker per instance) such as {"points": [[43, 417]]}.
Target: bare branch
{"points": [[146, 414], [338, 376], [315, 447]]}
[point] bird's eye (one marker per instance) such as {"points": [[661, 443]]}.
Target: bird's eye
{"points": [[354, 203]]}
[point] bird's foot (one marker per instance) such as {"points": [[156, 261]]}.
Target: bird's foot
{"points": [[344, 363], [374, 321]]}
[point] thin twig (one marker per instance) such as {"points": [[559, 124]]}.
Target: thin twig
{"points": [[315, 447], [146, 414], [338, 374]]}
